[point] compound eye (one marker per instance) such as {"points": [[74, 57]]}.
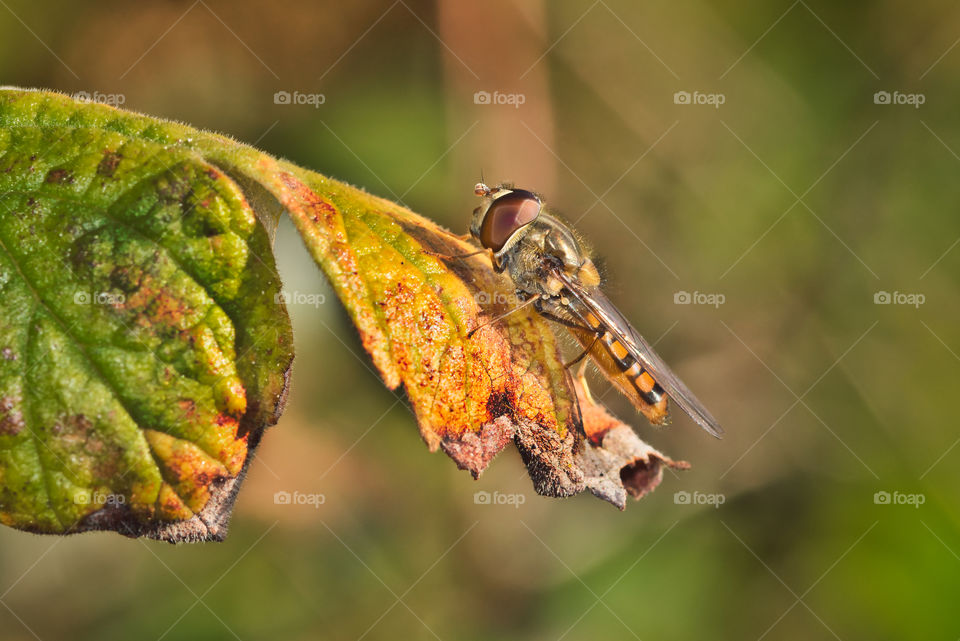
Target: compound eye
{"points": [[507, 215]]}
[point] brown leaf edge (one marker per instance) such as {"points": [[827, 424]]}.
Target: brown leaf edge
{"points": [[615, 461]]}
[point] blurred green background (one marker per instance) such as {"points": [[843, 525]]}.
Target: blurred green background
{"points": [[802, 202]]}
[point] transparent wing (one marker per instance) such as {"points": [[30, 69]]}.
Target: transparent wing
{"points": [[607, 313]]}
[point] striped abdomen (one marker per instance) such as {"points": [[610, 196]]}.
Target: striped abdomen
{"points": [[640, 379]]}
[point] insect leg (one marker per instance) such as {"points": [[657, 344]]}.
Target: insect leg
{"points": [[502, 316], [453, 256], [597, 332], [582, 379], [546, 307], [550, 312], [586, 351]]}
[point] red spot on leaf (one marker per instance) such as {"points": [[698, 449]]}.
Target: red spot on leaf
{"points": [[59, 176], [11, 418]]}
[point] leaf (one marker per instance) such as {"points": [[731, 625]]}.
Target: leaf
{"points": [[616, 462], [142, 351], [414, 312], [156, 393]]}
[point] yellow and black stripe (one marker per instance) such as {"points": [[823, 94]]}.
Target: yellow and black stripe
{"points": [[648, 389]]}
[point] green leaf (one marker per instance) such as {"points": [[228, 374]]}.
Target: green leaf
{"points": [[142, 351], [145, 347]]}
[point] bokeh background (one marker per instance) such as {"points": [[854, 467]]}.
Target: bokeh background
{"points": [[787, 216]]}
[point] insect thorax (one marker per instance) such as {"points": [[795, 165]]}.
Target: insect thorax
{"points": [[546, 244]]}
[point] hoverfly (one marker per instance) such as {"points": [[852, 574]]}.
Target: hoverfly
{"points": [[551, 270]]}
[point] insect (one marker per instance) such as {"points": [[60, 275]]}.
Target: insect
{"points": [[552, 271]]}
